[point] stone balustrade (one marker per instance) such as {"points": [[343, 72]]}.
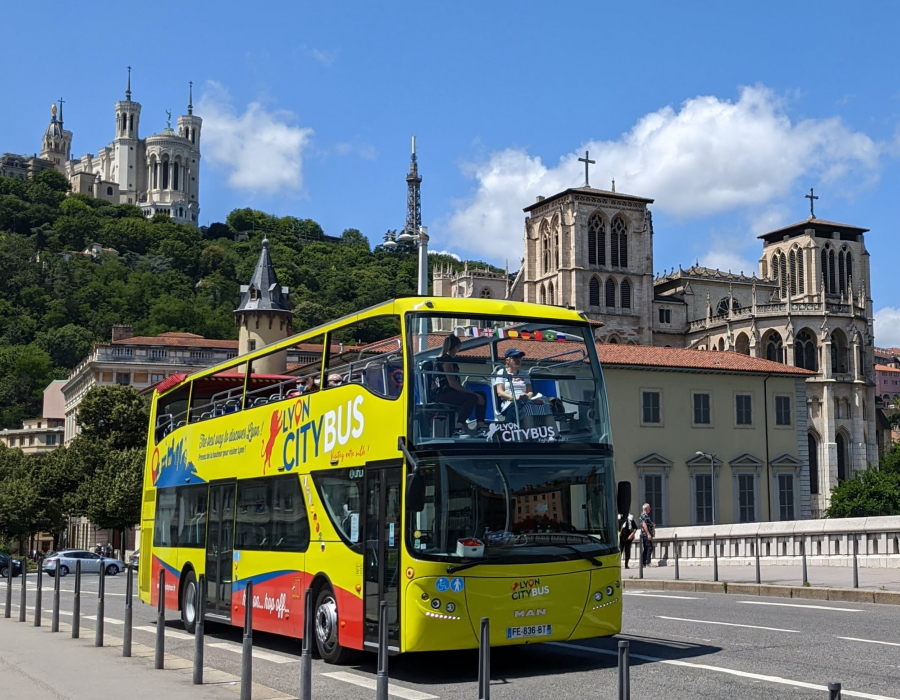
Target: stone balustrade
{"points": [[829, 542]]}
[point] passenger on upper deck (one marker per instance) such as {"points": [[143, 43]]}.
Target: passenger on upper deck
{"points": [[449, 389]]}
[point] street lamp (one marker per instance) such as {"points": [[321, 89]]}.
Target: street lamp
{"points": [[421, 241], [712, 471]]}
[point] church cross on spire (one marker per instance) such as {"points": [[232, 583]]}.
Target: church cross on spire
{"points": [[587, 163], [128, 89], [811, 197]]}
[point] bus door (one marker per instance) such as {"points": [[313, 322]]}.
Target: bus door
{"points": [[220, 549], [382, 552]]}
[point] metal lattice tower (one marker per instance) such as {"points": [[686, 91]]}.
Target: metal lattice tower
{"points": [[413, 194]]}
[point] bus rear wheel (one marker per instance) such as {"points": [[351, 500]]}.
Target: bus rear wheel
{"points": [[326, 623], [188, 602]]}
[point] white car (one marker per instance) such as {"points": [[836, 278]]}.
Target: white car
{"points": [[90, 563]]}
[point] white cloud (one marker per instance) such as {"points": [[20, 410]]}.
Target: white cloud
{"points": [[445, 252], [261, 150], [887, 327], [326, 58], [710, 156]]}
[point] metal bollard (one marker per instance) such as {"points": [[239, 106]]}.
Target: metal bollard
{"points": [[641, 560], [834, 691], [715, 558], [7, 613], [247, 652], [22, 597], [484, 660], [306, 648], [803, 553], [381, 676], [101, 599], [54, 620], [624, 671], [76, 603], [756, 551], [676, 557], [160, 656], [855, 562], [38, 595], [199, 628], [129, 612]]}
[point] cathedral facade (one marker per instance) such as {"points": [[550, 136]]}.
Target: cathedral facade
{"points": [[159, 173]]}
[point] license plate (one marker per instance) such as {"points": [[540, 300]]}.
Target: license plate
{"points": [[528, 631]]}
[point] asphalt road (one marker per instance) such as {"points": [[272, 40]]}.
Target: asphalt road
{"points": [[690, 645]]}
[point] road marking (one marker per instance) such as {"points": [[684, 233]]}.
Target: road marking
{"points": [[870, 641], [174, 634], [257, 653], [728, 624], [729, 671], [796, 605], [659, 595], [407, 693], [111, 620]]}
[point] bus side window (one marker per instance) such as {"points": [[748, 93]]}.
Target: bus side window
{"points": [[340, 490], [368, 353], [271, 515]]}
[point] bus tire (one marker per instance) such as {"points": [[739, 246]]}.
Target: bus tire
{"points": [[326, 623], [188, 607]]}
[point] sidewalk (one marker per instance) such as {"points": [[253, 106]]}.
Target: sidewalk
{"points": [[787, 575], [36, 664]]}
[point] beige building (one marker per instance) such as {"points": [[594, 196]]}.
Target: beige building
{"points": [[748, 416], [40, 435]]}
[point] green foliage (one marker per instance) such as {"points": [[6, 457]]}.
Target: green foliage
{"points": [[115, 415], [115, 498], [873, 492]]}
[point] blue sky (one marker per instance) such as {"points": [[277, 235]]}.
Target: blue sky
{"points": [[726, 115]]}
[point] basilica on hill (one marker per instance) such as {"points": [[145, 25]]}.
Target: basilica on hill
{"points": [[159, 173], [807, 306]]}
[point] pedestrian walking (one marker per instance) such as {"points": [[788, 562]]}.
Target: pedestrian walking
{"points": [[648, 532], [107, 550], [627, 530]]}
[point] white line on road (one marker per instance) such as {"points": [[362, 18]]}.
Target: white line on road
{"points": [[111, 620], [728, 624], [728, 671], [659, 595], [257, 653], [174, 634], [407, 693], [796, 605], [870, 641]]}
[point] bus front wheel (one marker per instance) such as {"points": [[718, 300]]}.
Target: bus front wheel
{"points": [[326, 621], [188, 606]]}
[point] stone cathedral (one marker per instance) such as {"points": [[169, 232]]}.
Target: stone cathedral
{"points": [[808, 306]]}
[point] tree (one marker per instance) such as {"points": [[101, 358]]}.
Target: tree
{"points": [[873, 492], [115, 498], [66, 346], [116, 415]]}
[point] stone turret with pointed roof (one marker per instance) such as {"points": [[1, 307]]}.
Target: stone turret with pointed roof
{"points": [[57, 141], [263, 314]]}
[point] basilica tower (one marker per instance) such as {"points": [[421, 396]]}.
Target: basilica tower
{"points": [[126, 155], [189, 126], [57, 142]]}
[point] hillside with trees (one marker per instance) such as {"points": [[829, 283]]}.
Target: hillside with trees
{"points": [[56, 301]]}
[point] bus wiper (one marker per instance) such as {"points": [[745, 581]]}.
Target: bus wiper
{"points": [[583, 555], [474, 562]]}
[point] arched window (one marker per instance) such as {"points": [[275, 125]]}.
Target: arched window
{"points": [[594, 292], [626, 294], [825, 269], [832, 286], [545, 247], [175, 176], [109, 191], [849, 272], [805, 351], [613, 341], [165, 175], [131, 122], [812, 446], [619, 242], [610, 293], [801, 284], [556, 251], [782, 268], [841, 457], [722, 307], [486, 293], [596, 241], [543, 294], [774, 348], [793, 262], [551, 297], [842, 280]]}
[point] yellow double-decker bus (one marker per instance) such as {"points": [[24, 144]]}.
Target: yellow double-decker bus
{"points": [[451, 457]]}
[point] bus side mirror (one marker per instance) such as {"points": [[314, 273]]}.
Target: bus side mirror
{"points": [[415, 492], [623, 498]]}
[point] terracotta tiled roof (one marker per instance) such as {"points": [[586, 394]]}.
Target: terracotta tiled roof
{"points": [[185, 340], [676, 358], [885, 368]]}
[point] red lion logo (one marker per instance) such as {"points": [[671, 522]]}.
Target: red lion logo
{"points": [[274, 430]]}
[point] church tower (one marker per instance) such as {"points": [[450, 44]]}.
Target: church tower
{"points": [[263, 315], [189, 129], [57, 142], [126, 153]]}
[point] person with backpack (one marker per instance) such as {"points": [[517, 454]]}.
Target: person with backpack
{"points": [[627, 530]]}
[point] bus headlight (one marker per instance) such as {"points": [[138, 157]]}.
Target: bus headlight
{"points": [[609, 591], [435, 603], [451, 607], [598, 596]]}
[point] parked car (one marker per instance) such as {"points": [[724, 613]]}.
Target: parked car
{"points": [[135, 559], [66, 559], [4, 566]]}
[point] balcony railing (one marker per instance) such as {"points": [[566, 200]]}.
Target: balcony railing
{"points": [[779, 308]]}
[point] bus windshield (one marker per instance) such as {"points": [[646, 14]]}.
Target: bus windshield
{"points": [[515, 508], [505, 380]]}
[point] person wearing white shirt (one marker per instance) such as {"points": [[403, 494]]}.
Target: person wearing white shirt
{"points": [[510, 384]]}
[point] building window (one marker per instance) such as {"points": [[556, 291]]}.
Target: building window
{"points": [[786, 497], [594, 292], [201, 354], [743, 408], [626, 294], [51, 439], [665, 316], [653, 494], [783, 411], [486, 293], [158, 354], [610, 293], [805, 351], [651, 410], [156, 378], [619, 242], [596, 241], [746, 498], [702, 412], [30, 440], [123, 378], [703, 499], [812, 446], [251, 345]]}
